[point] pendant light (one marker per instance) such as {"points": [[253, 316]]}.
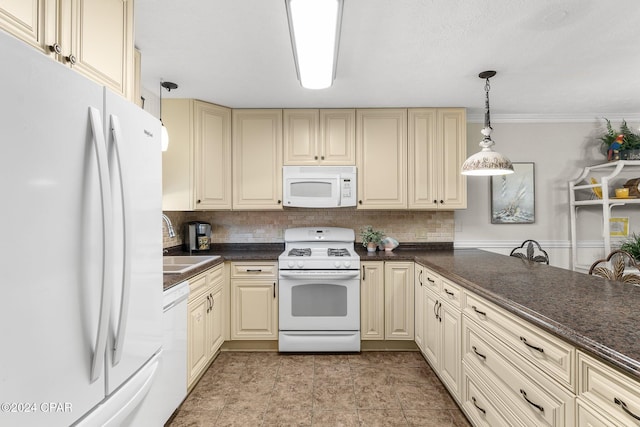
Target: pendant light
{"points": [[487, 162], [164, 135]]}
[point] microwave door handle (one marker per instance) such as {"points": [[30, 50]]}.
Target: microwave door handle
{"points": [[338, 188]]}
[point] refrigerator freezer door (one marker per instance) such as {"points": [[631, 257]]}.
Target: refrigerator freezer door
{"points": [[51, 255], [133, 138]]}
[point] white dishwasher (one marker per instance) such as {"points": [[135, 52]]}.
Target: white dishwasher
{"points": [[170, 386]]}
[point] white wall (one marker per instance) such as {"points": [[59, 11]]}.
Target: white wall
{"points": [[559, 151]]}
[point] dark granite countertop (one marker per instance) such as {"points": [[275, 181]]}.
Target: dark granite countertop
{"points": [[599, 316]]}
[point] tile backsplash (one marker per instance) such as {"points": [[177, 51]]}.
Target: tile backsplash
{"points": [[269, 226]]}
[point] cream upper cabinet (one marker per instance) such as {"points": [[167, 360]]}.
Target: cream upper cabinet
{"points": [[257, 159], [196, 169], [93, 37], [381, 148], [319, 137], [437, 149]]}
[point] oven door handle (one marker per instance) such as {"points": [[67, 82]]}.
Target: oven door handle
{"points": [[320, 275]]}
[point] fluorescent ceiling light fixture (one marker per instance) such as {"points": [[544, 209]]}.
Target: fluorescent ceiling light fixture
{"points": [[487, 162], [314, 26]]}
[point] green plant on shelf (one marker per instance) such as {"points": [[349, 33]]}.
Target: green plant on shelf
{"points": [[624, 139]]}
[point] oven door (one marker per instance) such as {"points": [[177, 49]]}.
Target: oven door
{"points": [[319, 300]]}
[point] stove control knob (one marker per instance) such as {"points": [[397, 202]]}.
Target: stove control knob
{"points": [[347, 264], [291, 264], [300, 264], [337, 264]]}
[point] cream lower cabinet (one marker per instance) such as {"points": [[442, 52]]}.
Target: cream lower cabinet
{"points": [[257, 159], [437, 141], [381, 153], [418, 306], [442, 317], [254, 301], [93, 37], [206, 310], [196, 169], [386, 300], [319, 137]]}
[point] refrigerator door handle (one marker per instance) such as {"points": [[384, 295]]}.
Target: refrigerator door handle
{"points": [[97, 365], [127, 235]]}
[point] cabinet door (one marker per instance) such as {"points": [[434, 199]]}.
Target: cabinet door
{"points": [[452, 138], [97, 41], [215, 321], [212, 156], [381, 141], [197, 351], [257, 159], [423, 168], [254, 311], [177, 161], [372, 301], [338, 137], [419, 306], [301, 137], [431, 329], [451, 360], [32, 21], [398, 284]]}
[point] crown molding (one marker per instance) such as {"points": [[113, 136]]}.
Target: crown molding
{"points": [[553, 118]]}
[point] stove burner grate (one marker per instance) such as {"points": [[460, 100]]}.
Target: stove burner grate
{"points": [[300, 252], [338, 252]]}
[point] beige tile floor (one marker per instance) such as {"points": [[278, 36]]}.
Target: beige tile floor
{"points": [[273, 389]]}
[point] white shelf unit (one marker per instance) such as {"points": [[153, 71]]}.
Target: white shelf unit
{"points": [[606, 174]]}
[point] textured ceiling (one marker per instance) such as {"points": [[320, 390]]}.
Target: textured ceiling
{"points": [[556, 59]]}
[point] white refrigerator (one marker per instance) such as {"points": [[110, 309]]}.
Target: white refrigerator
{"points": [[81, 257]]}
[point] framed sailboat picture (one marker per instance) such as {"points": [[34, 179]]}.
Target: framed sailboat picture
{"points": [[513, 196]]}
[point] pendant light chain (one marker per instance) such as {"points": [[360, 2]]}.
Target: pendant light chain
{"points": [[487, 116]]}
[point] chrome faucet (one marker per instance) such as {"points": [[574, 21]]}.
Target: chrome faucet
{"points": [[170, 229]]}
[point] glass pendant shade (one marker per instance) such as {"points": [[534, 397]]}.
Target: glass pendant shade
{"points": [[164, 138]]}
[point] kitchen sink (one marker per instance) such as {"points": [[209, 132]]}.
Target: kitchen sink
{"points": [[183, 263]]}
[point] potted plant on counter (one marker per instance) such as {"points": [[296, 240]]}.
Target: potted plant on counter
{"points": [[371, 238]]}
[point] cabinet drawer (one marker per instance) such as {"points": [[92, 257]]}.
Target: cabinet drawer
{"points": [[609, 390], [590, 417], [247, 269], [451, 293], [432, 281], [482, 408], [197, 286], [215, 276], [550, 354], [530, 394]]}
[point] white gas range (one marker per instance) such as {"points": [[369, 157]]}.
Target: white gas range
{"points": [[319, 302]]}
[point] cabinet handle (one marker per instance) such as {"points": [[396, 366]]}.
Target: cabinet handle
{"points": [[442, 202], [439, 316], [475, 350], [535, 405], [71, 59], [363, 275], [315, 157], [420, 277], [524, 340], [477, 407], [435, 309], [254, 270], [274, 289], [212, 301], [624, 407], [321, 157], [431, 280], [448, 292], [198, 201], [55, 48], [208, 304], [435, 201], [279, 201], [359, 202], [482, 313]]}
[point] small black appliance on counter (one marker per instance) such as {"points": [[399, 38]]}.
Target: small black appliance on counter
{"points": [[197, 236]]}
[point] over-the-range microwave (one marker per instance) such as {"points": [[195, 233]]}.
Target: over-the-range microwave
{"points": [[319, 186]]}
